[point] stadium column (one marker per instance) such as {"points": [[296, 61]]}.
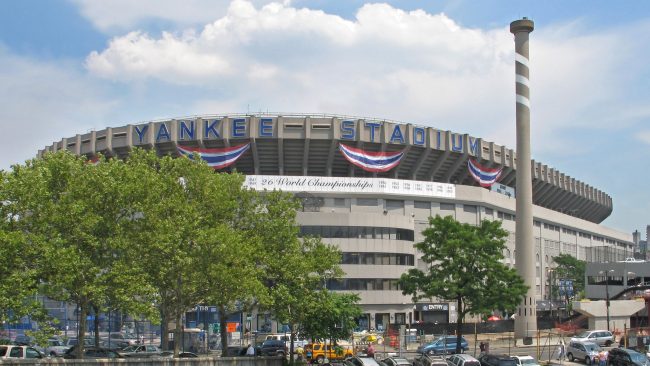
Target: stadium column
{"points": [[526, 318]]}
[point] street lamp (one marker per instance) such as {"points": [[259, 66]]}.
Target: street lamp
{"points": [[606, 273], [550, 275]]}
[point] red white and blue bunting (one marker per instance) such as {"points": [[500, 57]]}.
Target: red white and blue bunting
{"points": [[216, 158], [486, 177], [371, 161]]}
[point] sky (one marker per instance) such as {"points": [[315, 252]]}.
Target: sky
{"points": [[71, 66]]}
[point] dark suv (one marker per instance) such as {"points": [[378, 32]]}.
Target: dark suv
{"points": [[626, 357], [443, 345], [497, 360], [274, 347]]}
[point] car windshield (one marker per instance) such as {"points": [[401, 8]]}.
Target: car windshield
{"points": [[130, 349], [528, 361], [592, 347], [55, 342], [583, 335], [638, 358]]}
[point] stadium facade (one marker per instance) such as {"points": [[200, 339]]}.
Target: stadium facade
{"points": [[369, 185]]}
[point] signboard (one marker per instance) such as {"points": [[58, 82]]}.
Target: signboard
{"points": [[503, 189], [432, 307], [565, 288], [350, 185], [231, 327]]}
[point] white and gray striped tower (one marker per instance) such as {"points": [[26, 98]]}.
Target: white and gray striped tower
{"points": [[526, 318]]}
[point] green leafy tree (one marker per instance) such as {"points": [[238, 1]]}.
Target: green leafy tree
{"points": [[74, 212], [570, 268], [296, 280], [332, 317], [167, 228], [464, 265]]}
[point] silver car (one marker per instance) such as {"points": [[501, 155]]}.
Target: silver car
{"points": [[582, 351], [600, 337]]}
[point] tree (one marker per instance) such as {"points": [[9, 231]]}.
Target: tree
{"points": [[465, 266], [297, 279], [333, 316], [569, 267], [73, 213]]}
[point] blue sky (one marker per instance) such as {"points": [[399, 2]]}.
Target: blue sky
{"points": [[67, 67]]}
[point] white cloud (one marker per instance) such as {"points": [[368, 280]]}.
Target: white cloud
{"points": [[42, 103], [121, 15], [644, 136], [389, 63]]}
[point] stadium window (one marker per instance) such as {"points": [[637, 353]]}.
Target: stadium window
{"points": [[500, 215], [469, 208], [447, 206], [394, 204], [537, 223], [367, 258], [489, 211], [422, 204], [339, 202], [367, 202]]}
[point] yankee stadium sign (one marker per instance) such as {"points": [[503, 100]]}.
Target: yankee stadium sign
{"points": [[272, 127]]}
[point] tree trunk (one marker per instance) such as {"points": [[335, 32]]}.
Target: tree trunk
{"points": [[293, 338], [96, 326], [164, 329], [81, 330], [223, 332], [459, 324], [178, 334]]}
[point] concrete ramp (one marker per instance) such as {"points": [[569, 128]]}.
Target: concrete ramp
{"points": [[620, 312]]}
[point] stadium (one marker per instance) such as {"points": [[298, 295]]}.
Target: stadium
{"points": [[369, 185]]}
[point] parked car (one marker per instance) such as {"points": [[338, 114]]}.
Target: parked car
{"points": [[274, 347], [55, 348], [600, 337], [526, 361], [320, 351], [16, 351], [23, 340], [120, 340], [361, 361], [638, 343], [170, 354], [92, 352], [141, 350], [582, 351], [497, 360], [396, 361], [443, 345], [626, 357], [88, 342], [462, 360], [423, 359]]}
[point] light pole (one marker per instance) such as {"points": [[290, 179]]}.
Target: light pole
{"points": [[606, 273]]}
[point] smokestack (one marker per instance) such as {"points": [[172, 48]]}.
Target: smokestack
{"points": [[526, 319]]}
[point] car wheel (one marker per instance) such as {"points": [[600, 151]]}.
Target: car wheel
{"points": [[281, 354], [608, 343], [52, 354], [570, 356], [320, 359], [587, 360]]}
